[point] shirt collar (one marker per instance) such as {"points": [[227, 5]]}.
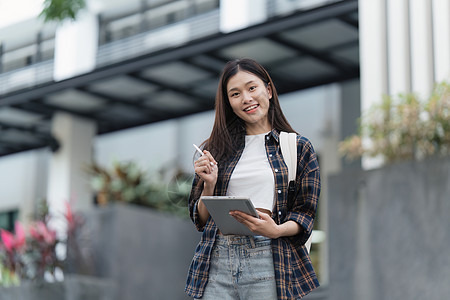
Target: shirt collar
{"points": [[275, 134]]}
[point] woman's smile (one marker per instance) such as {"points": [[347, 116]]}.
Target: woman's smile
{"points": [[251, 109]]}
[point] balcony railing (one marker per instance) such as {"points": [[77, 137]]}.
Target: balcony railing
{"points": [[26, 77], [164, 37]]}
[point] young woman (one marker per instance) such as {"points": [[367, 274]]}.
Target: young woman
{"points": [[243, 158]]}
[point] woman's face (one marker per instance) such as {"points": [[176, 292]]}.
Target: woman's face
{"points": [[250, 99]]}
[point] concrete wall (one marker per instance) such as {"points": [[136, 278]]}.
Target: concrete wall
{"points": [[146, 253], [73, 287], [388, 232]]}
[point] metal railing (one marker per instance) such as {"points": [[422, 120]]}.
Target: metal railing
{"points": [[26, 77], [167, 36]]}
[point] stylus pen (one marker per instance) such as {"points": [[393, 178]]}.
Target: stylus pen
{"points": [[198, 149], [201, 152]]}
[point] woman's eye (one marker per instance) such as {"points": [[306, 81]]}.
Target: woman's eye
{"points": [[234, 95], [252, 88]]}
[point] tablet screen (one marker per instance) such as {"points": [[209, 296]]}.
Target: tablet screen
{"points": [[219, 208]]}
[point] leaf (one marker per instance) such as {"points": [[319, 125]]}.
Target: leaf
{"points": [[8, 239], [20, 236], [59, 10]]}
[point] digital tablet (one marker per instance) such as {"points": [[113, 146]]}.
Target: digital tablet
{"points": [[219, 208]]}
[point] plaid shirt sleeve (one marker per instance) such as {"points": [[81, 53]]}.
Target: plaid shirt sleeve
{"points": [[199, 268], [308, 190], [294, 272], [194, 196]]}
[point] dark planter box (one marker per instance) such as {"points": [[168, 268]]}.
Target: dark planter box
{"points": [[74, 287], [145, 252], [389, 232]]}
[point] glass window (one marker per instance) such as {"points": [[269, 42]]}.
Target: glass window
{"points": [[7, 219]]}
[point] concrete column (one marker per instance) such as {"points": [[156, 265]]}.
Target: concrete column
{"points": [[398, 47], [441, 39], [421, 47], [67, 179], [350, 113], [373, 59], [35, 175], [76, 46], [235, 15]]}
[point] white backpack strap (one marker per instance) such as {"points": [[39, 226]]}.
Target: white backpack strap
{"points": [[285, 151], [293, 152], [288, 144]]}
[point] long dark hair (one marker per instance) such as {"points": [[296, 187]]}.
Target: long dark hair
{"points": [[227, 125]]}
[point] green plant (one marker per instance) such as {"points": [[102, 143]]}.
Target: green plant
{"points": [[437, 138], [403, 128], [126, 182], [60, 10]]}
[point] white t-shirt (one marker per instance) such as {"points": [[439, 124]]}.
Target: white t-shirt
{"points": [[253, 176]]}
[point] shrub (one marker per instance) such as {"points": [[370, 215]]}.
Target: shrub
{"points": [[403, 128], [126, 182]]}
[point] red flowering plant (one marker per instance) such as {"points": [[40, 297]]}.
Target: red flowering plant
{"points": [[34, 256], [12, 249], [41, 251]]}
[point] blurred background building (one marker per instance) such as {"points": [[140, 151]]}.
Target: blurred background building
{"points": [[135, 80]]}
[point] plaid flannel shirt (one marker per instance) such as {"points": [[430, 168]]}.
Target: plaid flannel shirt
{"points": [[295, 276]]}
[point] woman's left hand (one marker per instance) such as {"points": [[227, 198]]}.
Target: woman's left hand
{"points": [[264, 225]]}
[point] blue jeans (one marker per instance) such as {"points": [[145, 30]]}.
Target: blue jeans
{"points": [[241, 268]]}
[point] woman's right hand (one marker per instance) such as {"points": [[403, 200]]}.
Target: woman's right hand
{"points": [[206, 168]]}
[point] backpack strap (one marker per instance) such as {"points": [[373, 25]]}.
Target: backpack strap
{"points": [[288, 144]]}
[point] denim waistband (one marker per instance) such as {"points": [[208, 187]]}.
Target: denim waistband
{"points": [[253, 240]]}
